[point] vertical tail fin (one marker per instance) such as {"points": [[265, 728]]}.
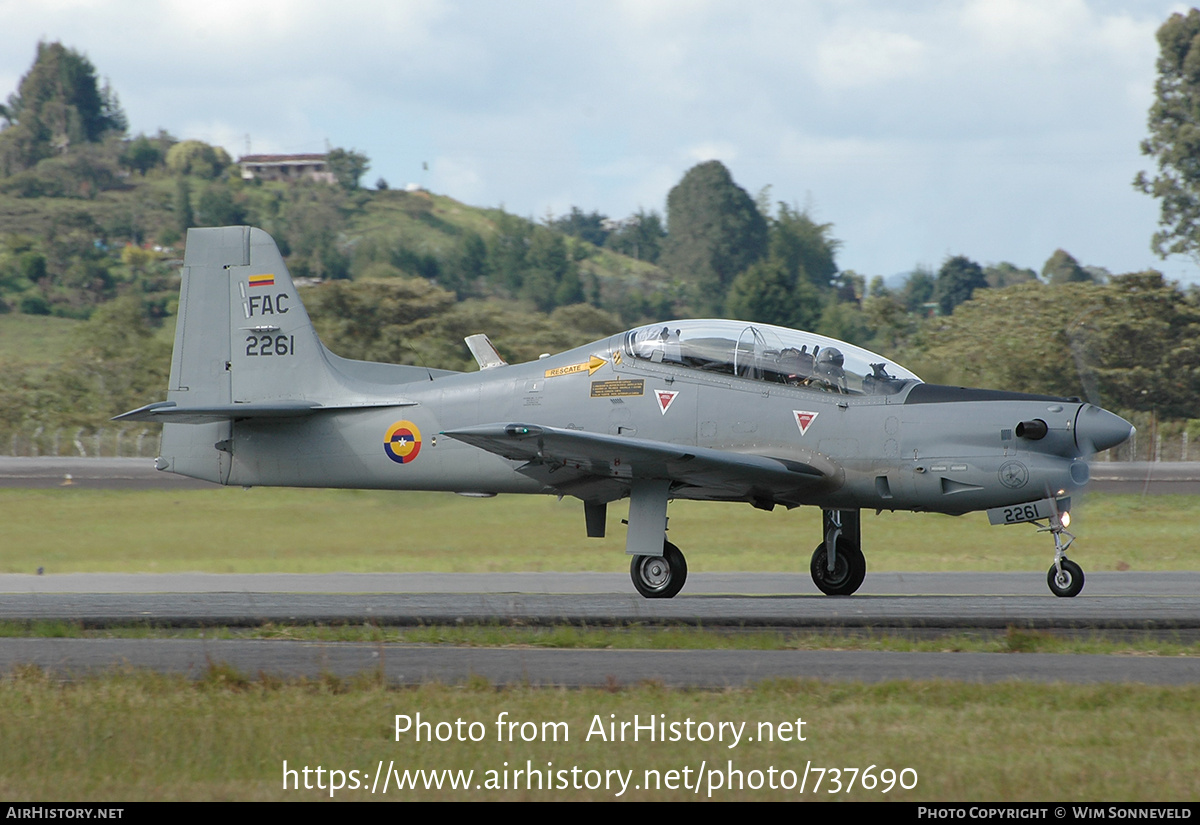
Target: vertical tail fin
{"points": [[242, 336]]}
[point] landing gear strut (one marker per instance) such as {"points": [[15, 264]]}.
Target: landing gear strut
{"points": [[659, 577], [838, 566], [1065, 577]]}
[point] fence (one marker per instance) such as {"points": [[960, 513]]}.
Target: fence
{"points": [[106, 442]]}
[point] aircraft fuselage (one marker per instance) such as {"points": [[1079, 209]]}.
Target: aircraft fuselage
{"points": [[882, 451]]}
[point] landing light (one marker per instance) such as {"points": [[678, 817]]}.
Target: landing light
{"points": [[1065, 518]]}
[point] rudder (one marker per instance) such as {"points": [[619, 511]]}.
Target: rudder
{"points": [[242, 336]]}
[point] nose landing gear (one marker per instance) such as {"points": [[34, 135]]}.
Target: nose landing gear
{"points": [[1065, 577]]}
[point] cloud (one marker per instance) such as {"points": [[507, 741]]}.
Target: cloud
{"points": [[891, 116], [855, 57]]}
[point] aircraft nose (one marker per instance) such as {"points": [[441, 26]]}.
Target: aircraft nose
{"points": [[1097, 429]]}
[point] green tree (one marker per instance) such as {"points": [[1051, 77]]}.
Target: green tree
{"points": [[768, 294], [1174, 141], [465, 265], [1132, 344], [313, 220], [411, 321], [805, 246], [957, 281], [508, 250], [195, 157], [587, 226], [639, 236], [889, 320], [348, 167], [58, 104], [918, 290], [714, 231], [761, 293], [141, 155], [218, 207], [1006, 274], [1062, 268], [119, 363], [184, 217]]}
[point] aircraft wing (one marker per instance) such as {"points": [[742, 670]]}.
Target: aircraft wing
{"points": [[603, 458], [168, 412]]}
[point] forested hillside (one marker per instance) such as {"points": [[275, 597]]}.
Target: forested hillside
{"points": [[92, 224]]}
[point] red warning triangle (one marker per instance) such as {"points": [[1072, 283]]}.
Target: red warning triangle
{"points": [[665, 399], [804, 420]]}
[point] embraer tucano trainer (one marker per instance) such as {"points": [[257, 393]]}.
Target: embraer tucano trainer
{"points": [[707, 410]]}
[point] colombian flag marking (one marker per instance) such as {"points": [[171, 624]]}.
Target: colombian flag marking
{"points": [[262, 280], [402, 442]]}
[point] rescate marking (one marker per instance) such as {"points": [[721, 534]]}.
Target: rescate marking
{"points": [[402, 442], [665, 399], [804, 419], [594, 363], [262, 280]]}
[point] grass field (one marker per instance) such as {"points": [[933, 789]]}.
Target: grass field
{"points": [[308, 531], [132, 736], [139, 736]]}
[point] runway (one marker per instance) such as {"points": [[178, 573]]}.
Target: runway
{"points": [[1157, 603], [911, 603], [949, 601]]}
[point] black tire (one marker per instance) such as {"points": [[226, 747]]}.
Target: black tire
{"points": [[659, 577], [849, 569], [1069, 584]]}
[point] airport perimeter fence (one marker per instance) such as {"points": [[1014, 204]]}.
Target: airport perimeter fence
{"points": [[1166, 441], [116, 441]]}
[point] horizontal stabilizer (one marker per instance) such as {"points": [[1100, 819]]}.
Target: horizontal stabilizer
{"points": [[172, 413]]}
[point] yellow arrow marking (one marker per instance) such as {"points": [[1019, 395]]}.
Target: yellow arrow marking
{"points": [[593, 364]]}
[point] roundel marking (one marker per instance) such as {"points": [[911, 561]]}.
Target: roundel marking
{"points": [[402, 442], [1013, 474]]}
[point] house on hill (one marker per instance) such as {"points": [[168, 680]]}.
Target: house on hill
{"points": [[286, 167]]}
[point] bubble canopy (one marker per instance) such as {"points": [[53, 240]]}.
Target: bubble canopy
{"points": [[762, 352]]}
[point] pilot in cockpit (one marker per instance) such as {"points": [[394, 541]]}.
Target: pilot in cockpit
{"points": [[796, 365], [830, 369], [660, 346]]}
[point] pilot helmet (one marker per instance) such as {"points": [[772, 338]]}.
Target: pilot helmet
{"points": [[830, 362]]}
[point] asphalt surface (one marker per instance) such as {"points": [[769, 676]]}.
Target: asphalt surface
{"points": [[92, 473], [952, 601], [1163, 604], [1126, 603]]}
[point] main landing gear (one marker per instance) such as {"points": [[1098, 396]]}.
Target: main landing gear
{"points": [[838, 566], [1065, 577], [655, 576], [659, 577]]}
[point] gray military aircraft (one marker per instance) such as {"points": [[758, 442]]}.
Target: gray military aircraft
{"points": [[711, 410]]}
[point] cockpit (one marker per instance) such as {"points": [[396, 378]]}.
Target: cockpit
{"points": [[767, 353]]}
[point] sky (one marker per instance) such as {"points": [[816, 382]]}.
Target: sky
{"points": [[996, 129]]}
